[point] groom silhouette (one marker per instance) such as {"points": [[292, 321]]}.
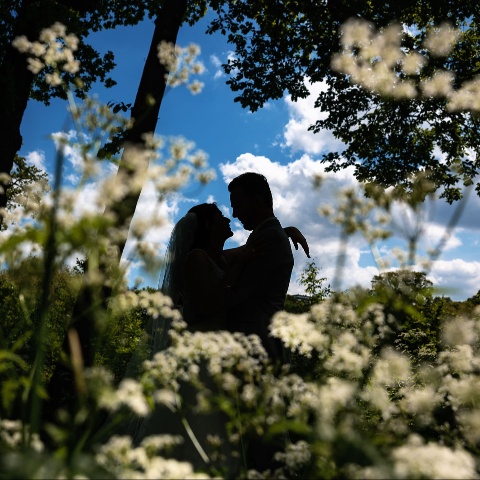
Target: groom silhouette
{"points": [[262, 286]]}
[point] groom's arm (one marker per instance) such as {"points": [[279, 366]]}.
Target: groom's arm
{"points": [[259, 275]]}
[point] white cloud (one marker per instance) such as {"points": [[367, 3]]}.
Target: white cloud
{"points": [[420, 225], [458, 278], [37, 159], [302, 115], [217, 64], [296, 203]]}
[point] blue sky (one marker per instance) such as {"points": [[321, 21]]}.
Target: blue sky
{"points": [[273, 141]]}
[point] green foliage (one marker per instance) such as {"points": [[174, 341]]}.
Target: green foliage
{"points": [[296, 304], [407, 299], [313, 283], [121, 336], [25, 176], [387, 140], [20, 291], [388, 389]]}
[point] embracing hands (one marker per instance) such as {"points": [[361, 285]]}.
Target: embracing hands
{"points": [[296, 237]]}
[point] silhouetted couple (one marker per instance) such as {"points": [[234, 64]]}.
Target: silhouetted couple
{"points": [[238, 289]]}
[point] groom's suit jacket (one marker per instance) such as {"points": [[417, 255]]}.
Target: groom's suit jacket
{"points": [[261, 288]]}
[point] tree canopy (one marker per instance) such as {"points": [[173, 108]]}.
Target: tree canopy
{"points": [[18, 83], [281, 46]]}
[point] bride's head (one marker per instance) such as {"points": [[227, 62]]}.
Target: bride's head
{"points": [[212, 226]]}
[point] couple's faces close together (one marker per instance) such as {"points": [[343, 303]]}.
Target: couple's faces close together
{"points": [[221, 226], [243, 208]]}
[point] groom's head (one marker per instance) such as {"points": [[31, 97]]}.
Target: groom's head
{"points": [[251, 199]]}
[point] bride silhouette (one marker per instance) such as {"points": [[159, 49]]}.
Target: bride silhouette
{"points": [[198, 275]]}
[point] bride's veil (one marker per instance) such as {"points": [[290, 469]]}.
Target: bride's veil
{"points": [[156, 336], [170, 282]]}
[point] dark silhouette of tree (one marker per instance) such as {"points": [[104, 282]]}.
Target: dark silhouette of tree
{"points": [[144, 115]]}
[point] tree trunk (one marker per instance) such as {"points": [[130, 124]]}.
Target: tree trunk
{"points": [[15, 85], [145, 115], [16, 80], [146, 108]]}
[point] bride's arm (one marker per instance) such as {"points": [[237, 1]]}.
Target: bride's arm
{"points": [[297, 238], [208, 295], [293, 233]]}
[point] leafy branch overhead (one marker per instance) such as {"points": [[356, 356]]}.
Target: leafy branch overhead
{"points": [[282, 46]]}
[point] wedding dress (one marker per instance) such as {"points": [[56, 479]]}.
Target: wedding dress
{"points": [[215, 318]]}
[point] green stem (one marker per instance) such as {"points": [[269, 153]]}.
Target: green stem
{"points": [[49, 260], [194, 440], [190, 433]]}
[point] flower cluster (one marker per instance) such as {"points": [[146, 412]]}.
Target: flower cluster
{"points": [[366, 408], [379, 62], [122, 459], [180, 63], [13, 434], [54, 49]]}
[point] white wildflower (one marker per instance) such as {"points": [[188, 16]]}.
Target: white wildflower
{"points": [[467, 97], [459, 359], [249, 394], [130, 393], [295, 456], [12, 435], [420, 401], [196, 87], [418, 460], [35, 65], [333, 396], [119, 457], [348, 355], [72, 66], [462, 392], [459, 331], [21, 43], [155, 443], [356, 32], [198, 68], [392, 368], [71, 42], [38, 49], [379, 398], [193, 50], [440, 40], [412, 63], [298, 332], [167, 398], [440, 85], [470, 421], [53, 79]]}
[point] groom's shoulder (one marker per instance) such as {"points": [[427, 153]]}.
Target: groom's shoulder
{"points": [[273, 230]]}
